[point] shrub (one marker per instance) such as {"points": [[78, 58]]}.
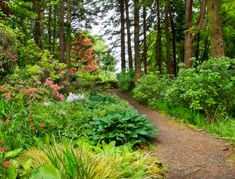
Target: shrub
{"points": [[121, 127], [42, 123], [209, 88], [95, 79], [8, 49], [30, 53], [86, 161], [126, 81], [151, 86]]}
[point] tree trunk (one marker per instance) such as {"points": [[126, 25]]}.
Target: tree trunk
{"points": [[173, 42], [62, 36], [197, 50], [54, 28], [158, 53], [39, 24], [128, 26], [5, 8], [49, 27], [206, 49], [145, 40], [123, 52], [188, 46], [137, 41], [217, 42], [69, 31], [168, 40]]}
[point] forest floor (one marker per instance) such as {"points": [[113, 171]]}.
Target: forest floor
{"points": [[187, 152]]}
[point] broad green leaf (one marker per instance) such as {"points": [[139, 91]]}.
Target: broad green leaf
{"points": [[12, 154], [47, 172]]}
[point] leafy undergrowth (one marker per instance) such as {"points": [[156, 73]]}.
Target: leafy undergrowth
{"points": [[87, 161], [38, 134]]}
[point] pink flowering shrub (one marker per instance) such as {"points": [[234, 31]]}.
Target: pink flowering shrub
{"points": [[29, 92], [55, 89], [7, 95]]}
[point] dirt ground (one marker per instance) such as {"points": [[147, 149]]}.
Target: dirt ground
{"points": [[186, 152]]}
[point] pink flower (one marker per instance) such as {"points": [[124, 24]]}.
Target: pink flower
{"points": [[6, 163], [31, 123], [7, 121], [3, 149], [29, 91], [7, 95], [60, 96], [55, 87], [48, 82]]}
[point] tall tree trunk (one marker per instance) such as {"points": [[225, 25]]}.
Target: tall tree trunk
{"points": [[188, 46], [168, 39], [49, 27], [128, 26], [215, 28], [68, 32], [62, 35], [158, 52], [137, 41], [123, 52], [5, 8], [206, 49], [54, 28], [173, 42], [145, 40], [39, 24]]}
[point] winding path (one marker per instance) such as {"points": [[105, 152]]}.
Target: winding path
{"points": [[187, 153]]}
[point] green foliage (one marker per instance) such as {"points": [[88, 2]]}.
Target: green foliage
{"points": [[7, 163], [151, 86], [202, 96], [209, 88], [228, 27], [121, 127], [102, 161], [187, 115], [126, 81], [106, 60], [47, 172], [29, 53], [93, 80], [46, 67], [222, 128], [46, 122], [8, 49]]}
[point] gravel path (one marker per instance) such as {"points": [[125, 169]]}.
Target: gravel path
{"points": [[188, 153]]}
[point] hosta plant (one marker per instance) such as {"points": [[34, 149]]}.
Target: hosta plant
{"points": [[121, 127]]}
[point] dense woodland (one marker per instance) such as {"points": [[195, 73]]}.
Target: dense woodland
{"points": [[177, 56], [152, 35]]}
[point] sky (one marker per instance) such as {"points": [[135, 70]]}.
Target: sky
{"points": [[99, 30]]}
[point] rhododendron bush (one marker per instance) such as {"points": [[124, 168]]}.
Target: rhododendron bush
{"points": [[32, 92], [84, 54]]}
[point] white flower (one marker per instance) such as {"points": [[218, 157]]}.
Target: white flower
{"points": [[47, 103], [74, 97]]}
